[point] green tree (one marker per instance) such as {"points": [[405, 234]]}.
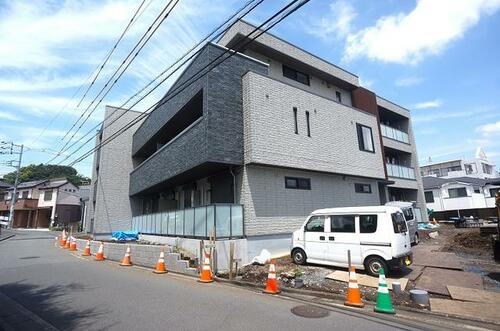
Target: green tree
{"points": [[46, 171]]}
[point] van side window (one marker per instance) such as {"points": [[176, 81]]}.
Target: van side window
{"points": [[316, 224], [408, 212], [367, 223], [342, 223], [398, 222]]}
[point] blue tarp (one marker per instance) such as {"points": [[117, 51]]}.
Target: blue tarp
{"points": [[125, 235]]}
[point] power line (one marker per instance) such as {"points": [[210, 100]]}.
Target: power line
{"points": [[98, 67], [123, 71], [282, 12], [203, 41]]}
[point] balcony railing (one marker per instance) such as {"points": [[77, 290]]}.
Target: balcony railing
{"points": [[223, 220], [395, 134], [394, 170], [20, 204]]}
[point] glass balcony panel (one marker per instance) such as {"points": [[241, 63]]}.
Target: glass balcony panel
{"points": [[223, 220], [236, 220], [164, 223], [171, 222], [210, 220], [179, 222], [200, 224], [189, 222]]}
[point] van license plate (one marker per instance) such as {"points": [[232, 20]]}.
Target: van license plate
{"points": [[407, 260]]}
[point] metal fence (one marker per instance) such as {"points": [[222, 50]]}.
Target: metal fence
{"points": [[197, 222]]}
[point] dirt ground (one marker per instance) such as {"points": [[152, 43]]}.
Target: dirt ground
{"points": [[475, 251]]}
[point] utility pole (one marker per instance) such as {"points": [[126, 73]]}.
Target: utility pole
{"points": [[19, 151]]}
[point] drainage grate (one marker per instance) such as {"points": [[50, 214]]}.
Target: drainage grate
{"points": [[29, 257], [309, 311]]}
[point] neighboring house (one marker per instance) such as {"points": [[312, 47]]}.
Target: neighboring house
{"points": [[42, 201], [253, 147], [478, 167], [84, 204], [461, 196]]}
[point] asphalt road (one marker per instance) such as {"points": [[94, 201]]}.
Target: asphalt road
{"points": [[42, 286]]}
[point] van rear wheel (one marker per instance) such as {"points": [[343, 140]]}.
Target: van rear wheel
{"points": [[299, 256], [374, 264]]}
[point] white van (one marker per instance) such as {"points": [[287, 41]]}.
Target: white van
{"points": [[411, 213], [377, 237]]}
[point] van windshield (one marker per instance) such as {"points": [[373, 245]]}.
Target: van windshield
{"points": [[408, 212], [398, 222]]}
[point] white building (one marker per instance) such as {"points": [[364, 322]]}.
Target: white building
{"points": [[477, 167], [461, 196]]}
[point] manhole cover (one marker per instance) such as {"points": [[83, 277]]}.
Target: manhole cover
{"points": [[310, 311], [29, 257]]}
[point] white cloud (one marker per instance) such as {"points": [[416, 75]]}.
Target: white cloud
{"points": [[428, 104], [489, 129], [446, 115], [408, 37], [409, 81], [8, 116], [336, 23]]}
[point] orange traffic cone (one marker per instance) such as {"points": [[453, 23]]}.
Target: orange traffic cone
{"points": [[206, 272], [100, 253], [86, 250], [68, 242], [72, 245], [353, 297], [63, 239], [272, 282], [126, 259], [160, 265]]}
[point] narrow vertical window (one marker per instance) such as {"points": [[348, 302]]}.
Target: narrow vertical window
{"points": [[308, 124], [338, 96], [295, 119]]}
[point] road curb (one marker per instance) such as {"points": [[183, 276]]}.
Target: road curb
{"points": [[7, 237]]}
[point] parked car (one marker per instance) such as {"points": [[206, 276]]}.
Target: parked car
{"points": [[410, 213], [377, 237]]}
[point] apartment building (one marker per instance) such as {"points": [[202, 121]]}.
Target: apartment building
{"points": [[260, 141], [478, 167], [461, 196], [40, 202]]}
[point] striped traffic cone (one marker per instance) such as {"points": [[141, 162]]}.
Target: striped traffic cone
{"points": [[384, 304], [86, 250], [126, 259], [353, 297], [72, 245], [63, 239], [100, 253], [160, 265], [272, 282], [68, 242], [206, 272]]}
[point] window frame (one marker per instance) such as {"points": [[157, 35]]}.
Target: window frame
{"points": [[45, 195], [376, 223], [425, 196], [313, 218], [298, 181], [362, 185], [361, 141], [25, 194], [296, 120], [457, 189], [294, 74], [338, 96], [308, 118], [353, 219]]}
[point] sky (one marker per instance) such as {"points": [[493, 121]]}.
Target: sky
{"points": [[437, 58]]}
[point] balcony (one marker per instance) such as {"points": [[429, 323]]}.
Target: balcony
{"points": [[20, 204], [221, 220], [395, 134], [394, 170]]}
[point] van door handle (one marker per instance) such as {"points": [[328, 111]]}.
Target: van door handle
{"points": [[322, 238], [331, 238]]}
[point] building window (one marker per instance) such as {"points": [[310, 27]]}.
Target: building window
{"points": [[316, 224], [367, 223], [47, 196], [477, 190], [308, 124], [470, 168], [2, 196], [363, 188], [295, 120], [365, 138], [338, 96], [25, 194], [487, 169], [342, 223], [494, 191], [457, 192], [298, 183], [295, 75], [429, 197]]}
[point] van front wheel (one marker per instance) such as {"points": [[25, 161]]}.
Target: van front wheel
{"points": [[374, 264], [299, 256]]}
